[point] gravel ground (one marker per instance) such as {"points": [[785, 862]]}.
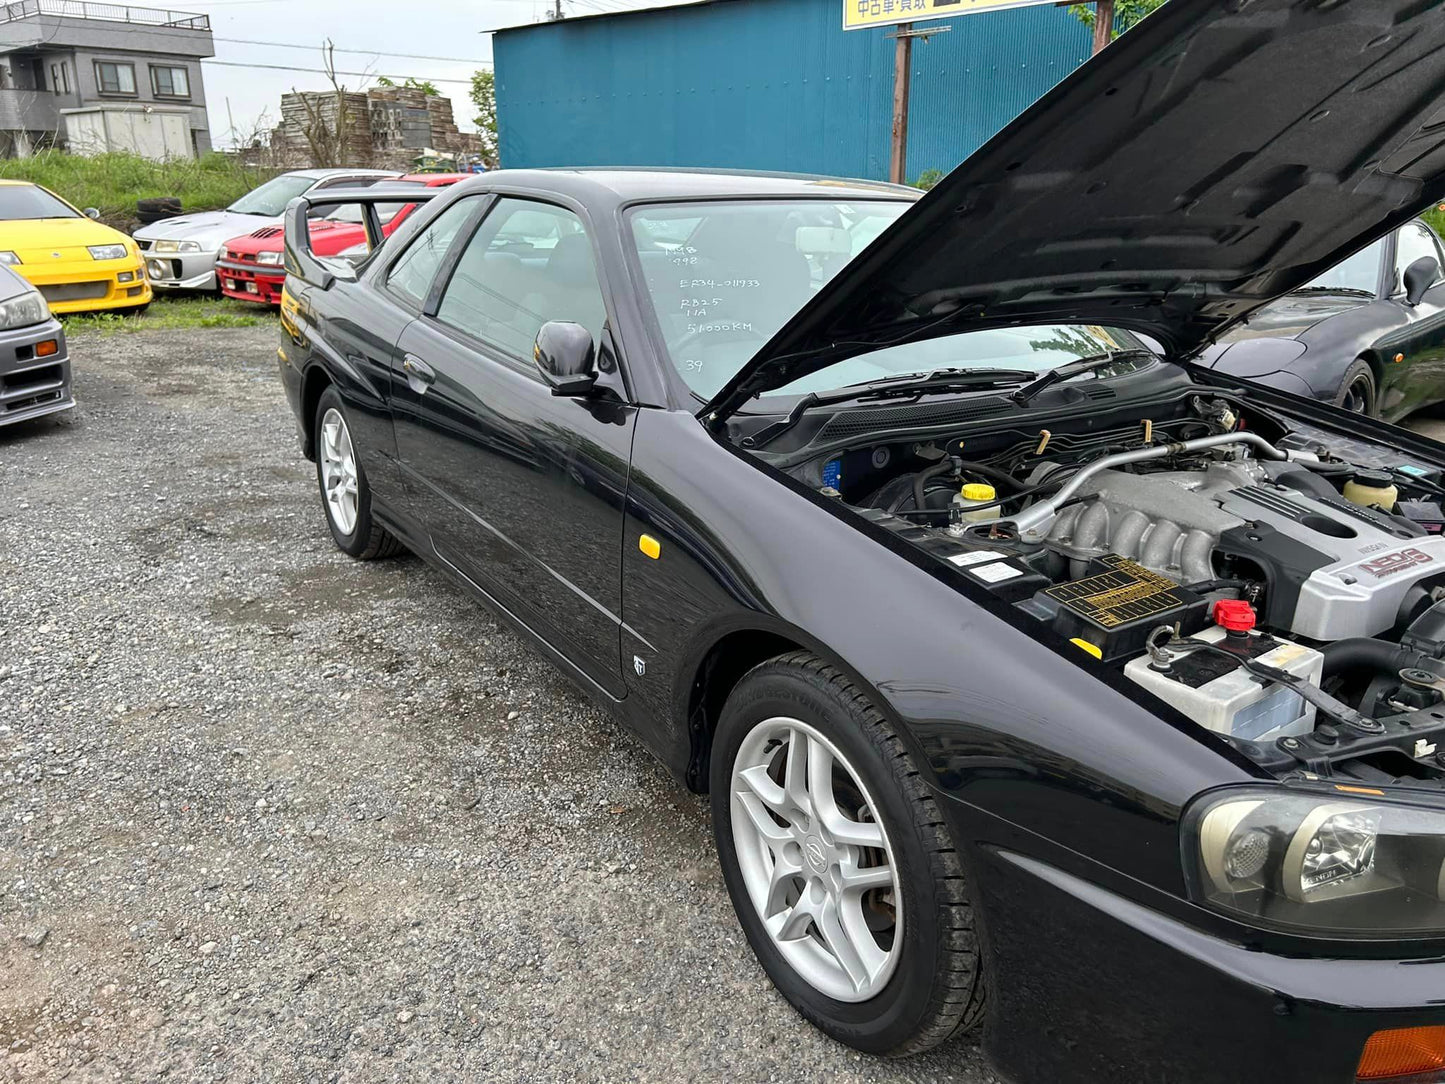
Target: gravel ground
{"points": [[268, 814]]}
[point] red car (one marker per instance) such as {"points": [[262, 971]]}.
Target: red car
{"points": [[250, 265]]}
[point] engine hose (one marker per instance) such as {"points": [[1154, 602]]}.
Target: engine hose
{"points": [[1364, 652], [993, 474], [920, 480]]}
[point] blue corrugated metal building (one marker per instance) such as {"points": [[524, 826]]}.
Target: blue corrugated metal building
{"points": [[767, 84]]}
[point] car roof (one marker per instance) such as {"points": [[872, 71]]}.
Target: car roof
{"points": [[623, 185], [321, 174]]}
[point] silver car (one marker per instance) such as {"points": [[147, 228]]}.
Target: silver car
{"points": [[34, 364], [180, 253]]}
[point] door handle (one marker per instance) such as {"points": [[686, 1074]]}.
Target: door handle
{"points": [[419, 374]]}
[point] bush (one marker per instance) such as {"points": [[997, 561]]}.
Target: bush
{"points": [[113, 182], [928, 178]]}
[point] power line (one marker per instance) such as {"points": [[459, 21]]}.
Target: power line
{"points": [[359, 52], [323, 71]]}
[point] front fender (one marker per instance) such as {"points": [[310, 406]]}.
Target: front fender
{"points": [[1002, 714]]}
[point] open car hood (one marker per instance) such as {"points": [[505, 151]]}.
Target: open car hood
{"points": [[1218, 155]]}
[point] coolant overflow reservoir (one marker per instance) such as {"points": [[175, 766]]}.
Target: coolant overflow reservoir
{"points": [[1372, 489], [976, 501]]}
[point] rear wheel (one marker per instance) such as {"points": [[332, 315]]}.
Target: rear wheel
{"points": [[345, 495], [1358, 393], [841, 870]]}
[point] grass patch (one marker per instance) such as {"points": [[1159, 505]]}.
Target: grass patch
{"points": [[173, 313], [113, 182]]}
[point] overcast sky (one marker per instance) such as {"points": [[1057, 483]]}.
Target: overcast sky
{"points": [[445, 28]]}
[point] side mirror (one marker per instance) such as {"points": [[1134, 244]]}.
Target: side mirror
{"points": [[1419, 277], [92, 212], [565, 357]]}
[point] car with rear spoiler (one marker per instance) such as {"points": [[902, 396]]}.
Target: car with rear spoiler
{"points": [[299, 256]]}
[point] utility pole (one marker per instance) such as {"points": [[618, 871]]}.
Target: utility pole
{"points": [[1103, 23], [556, 11], [902, 71], [902, 63]]}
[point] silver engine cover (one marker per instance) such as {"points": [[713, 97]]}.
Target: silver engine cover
{"points": [[1355, 581]]}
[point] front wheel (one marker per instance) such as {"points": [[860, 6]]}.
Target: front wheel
{"points": [[841, 870], [1358, 393], [345, 495]]}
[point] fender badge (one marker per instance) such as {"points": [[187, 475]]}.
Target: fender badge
{"points": [[1423, 748], [641, 668]]}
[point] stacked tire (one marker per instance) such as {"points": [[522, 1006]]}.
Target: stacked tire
{"points": [[156, 209]]}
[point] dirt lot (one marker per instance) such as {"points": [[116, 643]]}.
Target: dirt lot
{"points": [[267, 814]]}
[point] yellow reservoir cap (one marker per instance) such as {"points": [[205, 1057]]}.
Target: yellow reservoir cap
{"points": [[977, 491]]}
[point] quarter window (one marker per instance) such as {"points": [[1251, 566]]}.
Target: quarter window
{"points": [[170, 82], [1415, 241], [528, 263], [412, 273], [114, 78]]}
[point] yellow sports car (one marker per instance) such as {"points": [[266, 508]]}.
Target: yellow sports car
{"points": [[77, 264]]}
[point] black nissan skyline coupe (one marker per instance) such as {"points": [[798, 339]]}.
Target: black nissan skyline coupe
{"points": [[1041, 679]]}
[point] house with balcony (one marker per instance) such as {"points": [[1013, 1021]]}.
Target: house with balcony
{"points": [[92, 78]]}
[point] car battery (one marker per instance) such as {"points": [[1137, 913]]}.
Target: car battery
{"points": [[1116, 607], [1217, 692]]}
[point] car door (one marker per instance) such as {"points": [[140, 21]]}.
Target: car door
{"points": [[522, 491], [1418, 377]]}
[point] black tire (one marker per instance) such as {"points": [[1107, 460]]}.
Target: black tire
{"points": [[367, 539], [1358, 392], [937, 988], [157, 209]]}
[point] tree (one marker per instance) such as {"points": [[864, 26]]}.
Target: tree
{"points": [[484, 98], [426, 86], [1119, 16]]}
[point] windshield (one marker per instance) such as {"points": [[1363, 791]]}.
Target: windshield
{"points": [[271, 198], [1360, 272], [724, 277], [21, 201]]}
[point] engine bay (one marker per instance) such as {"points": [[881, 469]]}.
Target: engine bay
{"points": [[1278, 585]]}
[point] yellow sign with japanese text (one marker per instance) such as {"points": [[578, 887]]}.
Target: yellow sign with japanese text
{"points": [[858, 14]]}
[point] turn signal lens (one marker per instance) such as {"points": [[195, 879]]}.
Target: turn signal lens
{"points": [[1399, 1052], [46, 348]]}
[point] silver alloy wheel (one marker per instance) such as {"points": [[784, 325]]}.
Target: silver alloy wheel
{"points": [[338, 471], [817, 867]]}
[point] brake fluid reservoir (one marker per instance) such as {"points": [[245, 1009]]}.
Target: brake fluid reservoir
{"points": [[1218, 693], [976, 502]]}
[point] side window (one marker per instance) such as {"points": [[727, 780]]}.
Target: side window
{"points": [[1414, 242], [413, 271], [528, 263]]}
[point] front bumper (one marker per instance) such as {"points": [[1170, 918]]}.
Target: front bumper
{"points": [[1090, 986], [251, 282], [179, 270], [32, 384], [90, 285]]}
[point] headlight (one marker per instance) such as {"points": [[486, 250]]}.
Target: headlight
{"points": [[29, 308], [9, 258], [176, 246], [1319, 863], [106, 252], [272, 258]]}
